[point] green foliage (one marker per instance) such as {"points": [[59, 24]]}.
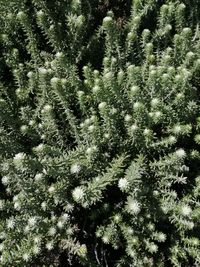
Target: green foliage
{"points": [[99, 133]]}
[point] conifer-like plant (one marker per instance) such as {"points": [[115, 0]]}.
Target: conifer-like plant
{"points": [[100, 133]]}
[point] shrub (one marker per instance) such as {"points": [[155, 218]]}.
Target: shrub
{"points": [[100, 133]]}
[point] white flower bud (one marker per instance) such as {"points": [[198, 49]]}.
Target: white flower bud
{"points": [[91, 128], [49, 245], [134, 127], [123, 184], [2, 204], [134, 89], [32, 221], [47, 108], [80, 93], [128, 118], [107, 21], [10, 224], [40, 13], [21, 15], [26, 257], [95, 89], [42, 71], [78, 194], [155, 102], [55, 81], [38, 177], [137, 105], [133, 206], [105, 239], [59, 55], [40, 148], [186, 210], [172, 139], [75, 168], [19, 157], [30, 74], [5, 180], [51, 189], [52, 231], [102, 105], [44, 205], [180, 153]]}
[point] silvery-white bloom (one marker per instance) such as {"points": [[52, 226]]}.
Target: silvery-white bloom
{"points": [[10, 224], [117, 218], [32, 221], [51, 189], [5, 180], [40, 13], [105, 239], [90, 150], [21, 15], [17, 205], [27, 229], [161, 237], [38, 177], [1, 246], [147, 131], [40, 147], [133, 206], [96, 89], [127, 118], [75, 168], [134, 127], [55, 81], [47, 108], [180, 153], [26, 256], [155, 102], [78, 194], [30, 74], [2, 204], [108, 75], [134, 89], [102, 105], [19, 157], [107, 135], [129, 230], [91, 128], [65, 217], [80, 93], [153, 248], [16, 198], [157, 114], [177, 129], [60, 224], [36, 250], [44, 205], [69, 231], [189, 225], [172, 139], [24, 128], [42, 71], [123, 184], [107, 21], [49, 245], [186, 210], [137, 105], [52, 231], [37, 239], [59, 54]]}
